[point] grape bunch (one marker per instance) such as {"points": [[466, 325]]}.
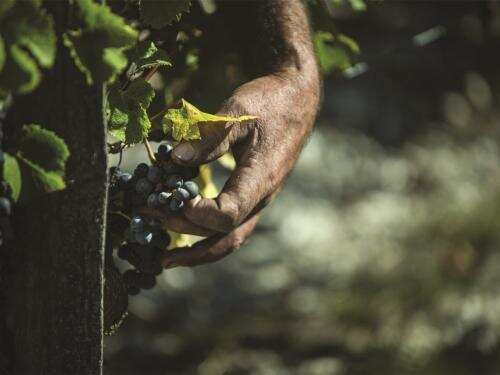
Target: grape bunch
{"points": [[164, 186]]}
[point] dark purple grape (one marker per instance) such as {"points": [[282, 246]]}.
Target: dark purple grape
{"points": [[164, 151], [181, 194], [152, 201], [141, 170], [5, 207], [144, 238], [173, 181], [155, 174], [175, 205], [144, 186], [192, 188], [5, 189], [124, 181], [136, 224], [163, 198]]}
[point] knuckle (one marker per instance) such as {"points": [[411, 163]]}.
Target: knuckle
{"points": [[232, 212]]}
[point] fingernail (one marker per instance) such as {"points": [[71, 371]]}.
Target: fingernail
{"points": [[184, 152]]}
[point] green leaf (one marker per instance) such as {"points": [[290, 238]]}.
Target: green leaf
{"points": [[184, 122], [12, 175], [139, 91], [127, 116], [98, 48], [146, 55], [29, 26], [160, 13], [348, 42], [37, 181], [358, 5], [98, 64], [44, 147], [38, 165], [20, 74], [334, 52], [111, 29], [138, 126]]}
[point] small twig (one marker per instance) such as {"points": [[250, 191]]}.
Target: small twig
{"points": [[149, 73], [119, 213], [149, 150]]}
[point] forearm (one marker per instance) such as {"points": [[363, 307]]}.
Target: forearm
{"points": [[271, 36]]}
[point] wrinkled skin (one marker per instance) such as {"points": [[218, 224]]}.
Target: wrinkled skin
{"points": [[285, 100]]}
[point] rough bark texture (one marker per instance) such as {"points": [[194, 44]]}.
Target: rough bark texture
{"points": [[55, 308]]}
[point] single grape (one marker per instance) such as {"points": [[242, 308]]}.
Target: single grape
{"points": [[144, 238], [141, 170], [173, 181], [136, 224], [175, 205], [143, 186], [5, 207], [163, 198], [181, 194], [164, 151], [5, 189], [124, 180], [152, 201], [154, 174], [192, 188]]}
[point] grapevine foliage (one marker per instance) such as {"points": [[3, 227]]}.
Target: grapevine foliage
{"points": [[28, 41], [98, 47], [162, 13]]}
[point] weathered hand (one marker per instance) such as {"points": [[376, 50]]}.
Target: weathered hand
{"points": [[265, 150]]}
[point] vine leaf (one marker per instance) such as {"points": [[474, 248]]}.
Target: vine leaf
{"points": [[28, 39], [45, 147], [160, 13], [128, 119], [184, 122], [41, 159], [20, 73], [12, 175], [138, 126], [146, 55], [97, 49], [334, 51]]}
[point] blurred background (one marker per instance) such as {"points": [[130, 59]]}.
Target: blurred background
{"points": [[382, 254]]}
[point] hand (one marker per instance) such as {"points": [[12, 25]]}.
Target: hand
{"points": [[265, 151]]}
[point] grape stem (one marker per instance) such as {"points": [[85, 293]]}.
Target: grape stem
{"points": [[119, 213], [149, 150]]}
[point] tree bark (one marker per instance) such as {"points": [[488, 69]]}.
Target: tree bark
{"points": [[55, 309]]}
